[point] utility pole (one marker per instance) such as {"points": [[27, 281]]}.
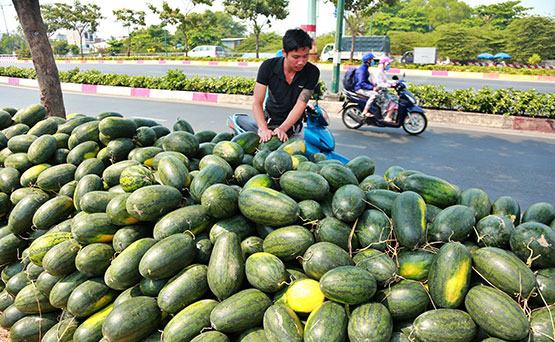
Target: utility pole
{"points": [[4, 15], [310, 28], [337, 47]]}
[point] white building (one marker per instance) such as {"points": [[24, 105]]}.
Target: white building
{"points": [[89, 39]]}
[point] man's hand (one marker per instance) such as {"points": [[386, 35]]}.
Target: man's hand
{"points": [[265, 134], [282, 136]]}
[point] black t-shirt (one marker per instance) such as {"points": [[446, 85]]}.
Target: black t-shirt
{"points": [[282, 96]]}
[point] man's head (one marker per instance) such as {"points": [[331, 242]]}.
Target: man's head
{"points": [[368, 58], [296, 47]]}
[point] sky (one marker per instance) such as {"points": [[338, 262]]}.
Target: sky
{"points": [[297, 17]]}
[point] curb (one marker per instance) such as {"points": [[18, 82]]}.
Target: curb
{"points": [[408, 72], [332, 107]]}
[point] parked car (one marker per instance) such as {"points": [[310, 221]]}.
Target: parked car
{"points": [[207, 51]]}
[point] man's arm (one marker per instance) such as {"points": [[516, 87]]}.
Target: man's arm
{"points": [[294, 115], [257, 108]]}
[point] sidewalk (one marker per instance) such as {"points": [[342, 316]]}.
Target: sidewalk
{"points": [[323, 66], [333, 107]]}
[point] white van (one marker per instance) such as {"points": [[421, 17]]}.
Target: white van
{"points": [[207, 51]]}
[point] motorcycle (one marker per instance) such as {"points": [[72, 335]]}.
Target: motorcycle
{"points": [[317, 135], [406, 112]]}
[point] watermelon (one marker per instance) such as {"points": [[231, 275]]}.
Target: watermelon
{"points": [[348, 203], [167, 257], [226, 269], [409, 219], [504, 270], [444, 325], [288, 243], [184, 289], [496, 313], [265, 272], [132, 320], [151, 202], [449, 277], [267, 206], [282, 324], [241, 311], [322, 257], [190, 321], [348, 285], [327, 323], [405, 300], [370, 322]]}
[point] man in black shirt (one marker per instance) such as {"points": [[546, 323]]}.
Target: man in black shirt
{"points": [[290, 81]]}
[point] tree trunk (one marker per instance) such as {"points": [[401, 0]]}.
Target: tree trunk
{"points": [[353, 37], [129, 44], [28, 12], [257, 36], [353, 40], [81, 45], [186, 43]]}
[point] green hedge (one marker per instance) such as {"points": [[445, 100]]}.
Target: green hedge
{"points": [[157, 58], [485, 100], [476, 68]]}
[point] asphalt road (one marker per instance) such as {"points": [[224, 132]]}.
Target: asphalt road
{"points": [[326, 75], [501, 163]]}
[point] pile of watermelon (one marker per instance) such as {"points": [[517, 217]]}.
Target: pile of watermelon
{"points": [[118, 229]]}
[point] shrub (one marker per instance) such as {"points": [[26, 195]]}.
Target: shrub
{"points": [[485, 100]]}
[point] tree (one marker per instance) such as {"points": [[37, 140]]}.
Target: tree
{"points": [[52, 20], [441, 12], [10, 43], [61, 48], [407, 16], [209, 28], [459, 43], [154, 38], [522, 44], [268, 42], [130, 19], [323, 40], [29, 15], [115, 46], [402, 42], [356, 16], [176, 16], [77, 17], [258, 13], [499, 15]]}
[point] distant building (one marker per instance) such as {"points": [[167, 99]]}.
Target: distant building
{"points": [[60, 36], [231, 43], [89, 38]]}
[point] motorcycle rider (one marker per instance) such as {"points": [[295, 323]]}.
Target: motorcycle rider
{"points": [[363, 86], [290, 81], [381, 84]]}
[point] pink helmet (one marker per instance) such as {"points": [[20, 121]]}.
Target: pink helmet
{"points": [[385, 60]]}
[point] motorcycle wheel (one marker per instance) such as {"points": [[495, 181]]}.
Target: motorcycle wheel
{"points": [[415, 123], [347, 117]]}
